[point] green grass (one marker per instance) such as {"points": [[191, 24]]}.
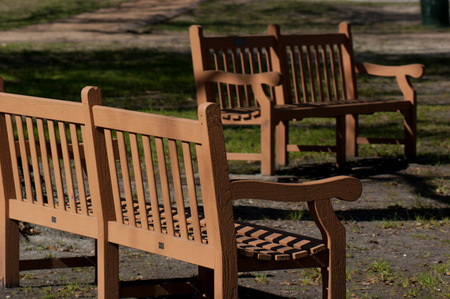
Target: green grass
{"points": [[380, 270], [19, 13], [296, 215]]}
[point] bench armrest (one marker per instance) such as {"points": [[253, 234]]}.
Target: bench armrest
{"points": [[342, 187], [400, 72], [412, 70]]}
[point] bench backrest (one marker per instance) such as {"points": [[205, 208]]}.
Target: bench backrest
{"points": [[315, 67], [168, 177], [42, 161], [236, 54]]}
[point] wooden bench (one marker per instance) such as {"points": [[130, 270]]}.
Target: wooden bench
{"points": [[158, 184], [172, 196], [42, 178], [319, 80]]}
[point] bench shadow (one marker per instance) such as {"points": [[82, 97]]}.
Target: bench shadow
{"points": [[382, 170], [396, 213], [249, 293]]}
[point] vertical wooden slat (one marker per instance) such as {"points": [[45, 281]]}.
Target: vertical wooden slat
{"points": [[227, 68], [259, 59], [126, 178], [148, 156], [164, 185], [326, 73], [12, 149], [67, 167], [303, 75], [45, 162], [220, 89], [78, 169], [254, 68], [113, 174], [34, 162], [178, 188], [333, 70], [311, 75], [294, 67], [318, 72], [138, 180], [201, 166], [341, 74], [24, 159], [190, 181], [236, 69], [56, 165], [268, 62], [246, 70]]}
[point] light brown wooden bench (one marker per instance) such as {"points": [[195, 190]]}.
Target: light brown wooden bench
{"points": [[319, 80], [42, 178], [158, 184], [169, 193]]}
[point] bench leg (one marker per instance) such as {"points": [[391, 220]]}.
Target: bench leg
{"points": [[107, 269], [340, 140], [410, 132], [334, 281], [325, 277], [9, 252], [282, 140], [351, 135], [267, 148]]}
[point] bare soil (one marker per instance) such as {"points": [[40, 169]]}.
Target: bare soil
{"points": [[401, 220]]}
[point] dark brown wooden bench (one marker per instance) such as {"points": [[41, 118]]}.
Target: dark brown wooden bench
{"points": [[319, 80]]}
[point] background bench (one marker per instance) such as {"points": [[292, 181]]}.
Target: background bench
{"points": [[319, 80]]}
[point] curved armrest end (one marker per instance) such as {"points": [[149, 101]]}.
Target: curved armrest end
{"points": [[342, 187], [413, 70]]}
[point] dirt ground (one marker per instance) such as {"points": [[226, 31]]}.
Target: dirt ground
{"points": [[397, 241]]}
